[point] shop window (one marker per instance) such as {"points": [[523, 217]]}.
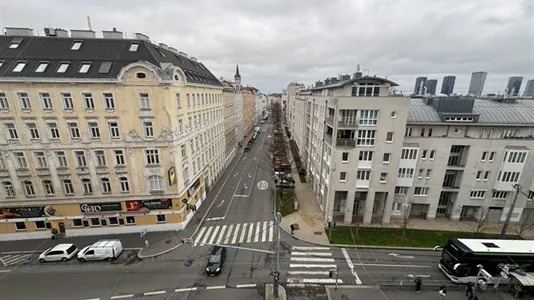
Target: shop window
{"points": [[121, 221], [113, 221], [104, 222], [95, 222], [40, 225], [130, 220], [77, 223], [160, 218], [20, 225]]}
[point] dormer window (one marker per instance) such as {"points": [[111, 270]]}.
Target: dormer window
{"points": [[105, 67], [63, 66], [19, 66], [15, 43], [76, 45], [134, 47], [84, 68], [41, 67]]}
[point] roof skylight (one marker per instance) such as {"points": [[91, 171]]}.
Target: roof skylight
{"points": [[105, 67], [41, 67], [15, 43], [63, 67], [134, 46], [84, 68], [19, 66], [76, 45]]}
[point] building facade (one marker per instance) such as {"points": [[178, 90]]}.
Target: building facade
{"points": [[229, 122], [292, 90], [514, 85], [420, 83], [447, 87], [431, 86], [476, 85], [249, 97], [125, 139], [372, 156], [529, 90], [238, 101]]}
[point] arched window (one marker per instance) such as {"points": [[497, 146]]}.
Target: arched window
{"points": [[105, 185], [9, 191], [155, 182], [124, 185], [87, 187]]}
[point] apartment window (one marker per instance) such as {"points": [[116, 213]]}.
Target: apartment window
{"points": [[366, 137], [345, 157], [484, 156], [41, 67], [479, 175], [148, 128], [428, 173], [25, 103], [383, 177], [11, 131], [119, 157], [100, 157], [109, 101], [124, 185], [28, 188], [386, 158], [432, 154], [152, 157], [363, 175], [510, 176], [88, 101], [76, 45], [188, 100], [68, 187], [499, 195], [84, 68], [33, 132], [40, 159], [486, 175], [185, 174], [105, 185], [87, 187], [424, 154], [389, 137], [405, 173], [366, 156], [491, 156], [114, 130], [46, 101], [19, 66], [368, 117], [14, 44], [4, 103], [68, 104], [408, 131], [9, 191], [61, 159], [180, 125], [80, 159], [420, 191], [343, 176], [420, 173], [409, 154], [94, 129], [515, 157], [48, 188], [183, 150], [74, 130], [21, 160], [178, 101], [63, 67], [155, 182], [144, 99], [477, 194], [133, 47], [53, 130]]}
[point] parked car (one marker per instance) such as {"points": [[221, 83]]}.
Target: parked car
{"points": [[61, 252], [101, 250], [216, 261]]}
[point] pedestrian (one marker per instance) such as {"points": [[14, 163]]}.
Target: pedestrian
{"points": [[469, 290], [472, 297], [418, 284], [292, 226], [442, 292]]}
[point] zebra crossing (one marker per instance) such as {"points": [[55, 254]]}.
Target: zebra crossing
{"points": [[253, 232], [10, 260], [310, 266]]}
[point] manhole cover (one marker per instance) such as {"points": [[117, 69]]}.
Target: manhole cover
{"points": [[318, 232]]}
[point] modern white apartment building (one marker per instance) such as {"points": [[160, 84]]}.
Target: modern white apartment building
{"points": [[371, 155], [292, 90]]}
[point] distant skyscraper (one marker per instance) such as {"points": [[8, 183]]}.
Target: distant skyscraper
{"points": [[431, 86], [529, 90], [419, 85], [513, 86], [476, 86], [447, 87]]}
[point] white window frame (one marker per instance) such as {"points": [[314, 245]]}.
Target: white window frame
{"points": [[155, 183], [81, 159], [152, 157], [25, 101], [405, 173], [366, 138], [144, 101], [33, 130], [61, 158], [178, 101], [183, 151], [8, 189], [428, 174], [48, 187], [368, 117], [94, 131], [46, 101], [105, 185], [114, 131], [388, 139], [420, 191], [74, 131], [348, 157], [148, 129], [4, 101], [11, 131], [124, 184], [68, 102], [22, 163], [383, 177], [363, 175], [389, 158], [109, 101], [29, 189], [477, 194], [500, 195], [88, 101], [68, 187], [119, 156], [100, 158], [53, 130], [342, 176], [40, 160], [432, 154], [87, 186], [365, 156]]}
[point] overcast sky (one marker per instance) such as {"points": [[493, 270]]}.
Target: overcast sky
{"points": [[279, 41]]}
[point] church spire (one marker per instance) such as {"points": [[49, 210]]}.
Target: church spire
{"points": [[237, 71]]}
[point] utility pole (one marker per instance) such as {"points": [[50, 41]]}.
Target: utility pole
{"points": [[277, 270], [517, 188]]}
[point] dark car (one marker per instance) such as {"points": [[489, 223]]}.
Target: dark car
{"points": [[216, 261]]}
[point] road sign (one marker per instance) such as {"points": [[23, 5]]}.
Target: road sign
{"points": [[263, 185]]}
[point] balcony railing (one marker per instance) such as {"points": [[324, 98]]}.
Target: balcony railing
{"points": [[349, 143]]}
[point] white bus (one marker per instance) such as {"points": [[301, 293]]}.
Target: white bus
{"points": [[461, 258]]}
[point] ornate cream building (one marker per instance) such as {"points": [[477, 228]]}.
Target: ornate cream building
{"points": [[103, 135]]}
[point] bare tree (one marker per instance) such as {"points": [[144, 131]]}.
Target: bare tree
{"points": [[406, 209], [526, 222], [481, 222]]}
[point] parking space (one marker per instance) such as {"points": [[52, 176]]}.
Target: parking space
{"points": [[10, 260]]}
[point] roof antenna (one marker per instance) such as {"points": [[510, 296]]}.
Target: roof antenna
{"points": [[89, 23]]}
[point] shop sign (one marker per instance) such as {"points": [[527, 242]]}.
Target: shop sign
{"points": [[172, 176], [27, 212], [193, 188], [100, 207], [147, 205]]}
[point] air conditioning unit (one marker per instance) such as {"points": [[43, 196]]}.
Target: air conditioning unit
{"points": [[50, 32]]}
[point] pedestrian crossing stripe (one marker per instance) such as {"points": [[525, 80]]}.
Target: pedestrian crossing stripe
{"points": [[311, 266], [253, 232], [9, 260]]}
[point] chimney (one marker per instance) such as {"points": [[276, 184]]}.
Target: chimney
{"points": [[62, 33], [82, 33], [173, 50], [19, 31], [183, 54], [141, 36], [193, 58], [164, 46], [112, 34]]}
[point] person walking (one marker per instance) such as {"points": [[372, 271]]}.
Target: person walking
{"points": [[442, 292], [418, 284], [469, 290], [292, 226]]}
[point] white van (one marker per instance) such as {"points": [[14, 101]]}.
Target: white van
{"points": [[101, 250]]}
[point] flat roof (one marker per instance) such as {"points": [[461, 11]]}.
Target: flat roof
{"points": [[500, 246]]}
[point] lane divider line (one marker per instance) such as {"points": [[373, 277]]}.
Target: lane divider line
{"points": [[351, 265], [154, 293], [217, 287], [185, 290], [122, 296], [245, 285]]}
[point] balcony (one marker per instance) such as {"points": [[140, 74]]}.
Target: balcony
{"points": [[452, 179], [330, 120], [328, 139], [458, 156], [346, 143]]}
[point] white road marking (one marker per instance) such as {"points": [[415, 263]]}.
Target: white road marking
{"points": [[236, 232], [310, 248], [264, 233], [241, 196], [393, 266], [93, 299], [205, 239], [250, 231], [245, 285], [308, 273], [221, 235], [5, 271], [214, 219], [422, 276], [154, 293], [214, 235], [400, 256], [229, 234], [314, 280], [243, 232], [301, 285], [271, 231], [220, 204], [232, 199], [217, 287], [199, 235], [2, 261], [257, 234], [122, 296], [312, 259], [351, 265], [312, 266], [296, 253], [185, 290]]}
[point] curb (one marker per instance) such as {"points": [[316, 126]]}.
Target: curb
{"points": [[159, 253], [39, 251]]}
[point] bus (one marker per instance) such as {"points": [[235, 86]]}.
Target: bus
{"points": [[461, 259]]}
